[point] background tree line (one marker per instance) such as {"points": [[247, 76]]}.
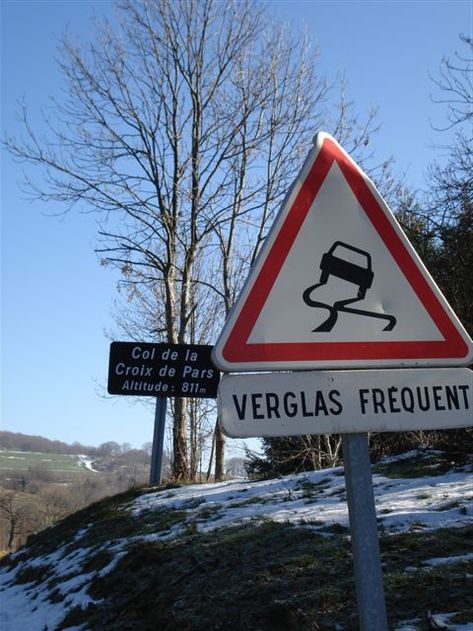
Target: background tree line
{"points": [[26, 442], [40, 444]]}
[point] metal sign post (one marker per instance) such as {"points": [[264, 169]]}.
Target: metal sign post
{"points": [[364, 535], [158, 442]]}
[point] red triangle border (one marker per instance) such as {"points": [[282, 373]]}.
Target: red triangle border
{"points": [[238, 350]]}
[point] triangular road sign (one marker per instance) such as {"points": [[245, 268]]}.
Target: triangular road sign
{"points": [[338, 285]]}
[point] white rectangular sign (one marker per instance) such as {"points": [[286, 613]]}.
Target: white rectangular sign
{"points": [[333, 402]]}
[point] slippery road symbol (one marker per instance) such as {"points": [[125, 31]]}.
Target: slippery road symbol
{"points": [[336, 262]]}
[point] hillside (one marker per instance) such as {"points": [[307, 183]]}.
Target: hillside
{"points": [[43, 481], [14, 461], [250, 555], [40, 457]]}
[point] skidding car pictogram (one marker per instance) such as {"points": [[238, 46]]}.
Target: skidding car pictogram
{"points": [[336, 262]]}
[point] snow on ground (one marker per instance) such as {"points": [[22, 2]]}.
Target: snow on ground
{"points": [[411, 625], [312, 499], [318, 499], [449, 560], [24, 605], [86, 461]]}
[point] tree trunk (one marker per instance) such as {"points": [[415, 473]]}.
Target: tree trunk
{"points": [[219, 454], [180, 469]]}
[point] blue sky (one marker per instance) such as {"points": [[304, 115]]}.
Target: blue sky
{"points": [[57, 301]]}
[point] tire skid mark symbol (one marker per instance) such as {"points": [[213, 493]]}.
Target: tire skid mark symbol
{"points": [[334, 264]]}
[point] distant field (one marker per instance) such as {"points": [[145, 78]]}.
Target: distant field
{"points": [[24, 460]]}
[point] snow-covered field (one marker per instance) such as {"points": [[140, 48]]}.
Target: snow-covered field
{"points": [[309, 500]]}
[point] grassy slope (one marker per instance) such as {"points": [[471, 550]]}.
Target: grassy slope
{"points": [[271, 576], [263, 575], [23, 461]]}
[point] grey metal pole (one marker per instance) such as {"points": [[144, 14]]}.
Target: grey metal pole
{"points": [[158, 442], [364, 533]]}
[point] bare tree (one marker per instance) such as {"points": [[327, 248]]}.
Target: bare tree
{"points": [[288, 454], [439, 223], [15, 513], [455, 82], [55, 503], [182, 128]]}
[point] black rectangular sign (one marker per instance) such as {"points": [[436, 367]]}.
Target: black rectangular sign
{"points": [[162, 370]]}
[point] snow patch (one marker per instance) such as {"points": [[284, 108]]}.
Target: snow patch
{"points": [[86, 461]]}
